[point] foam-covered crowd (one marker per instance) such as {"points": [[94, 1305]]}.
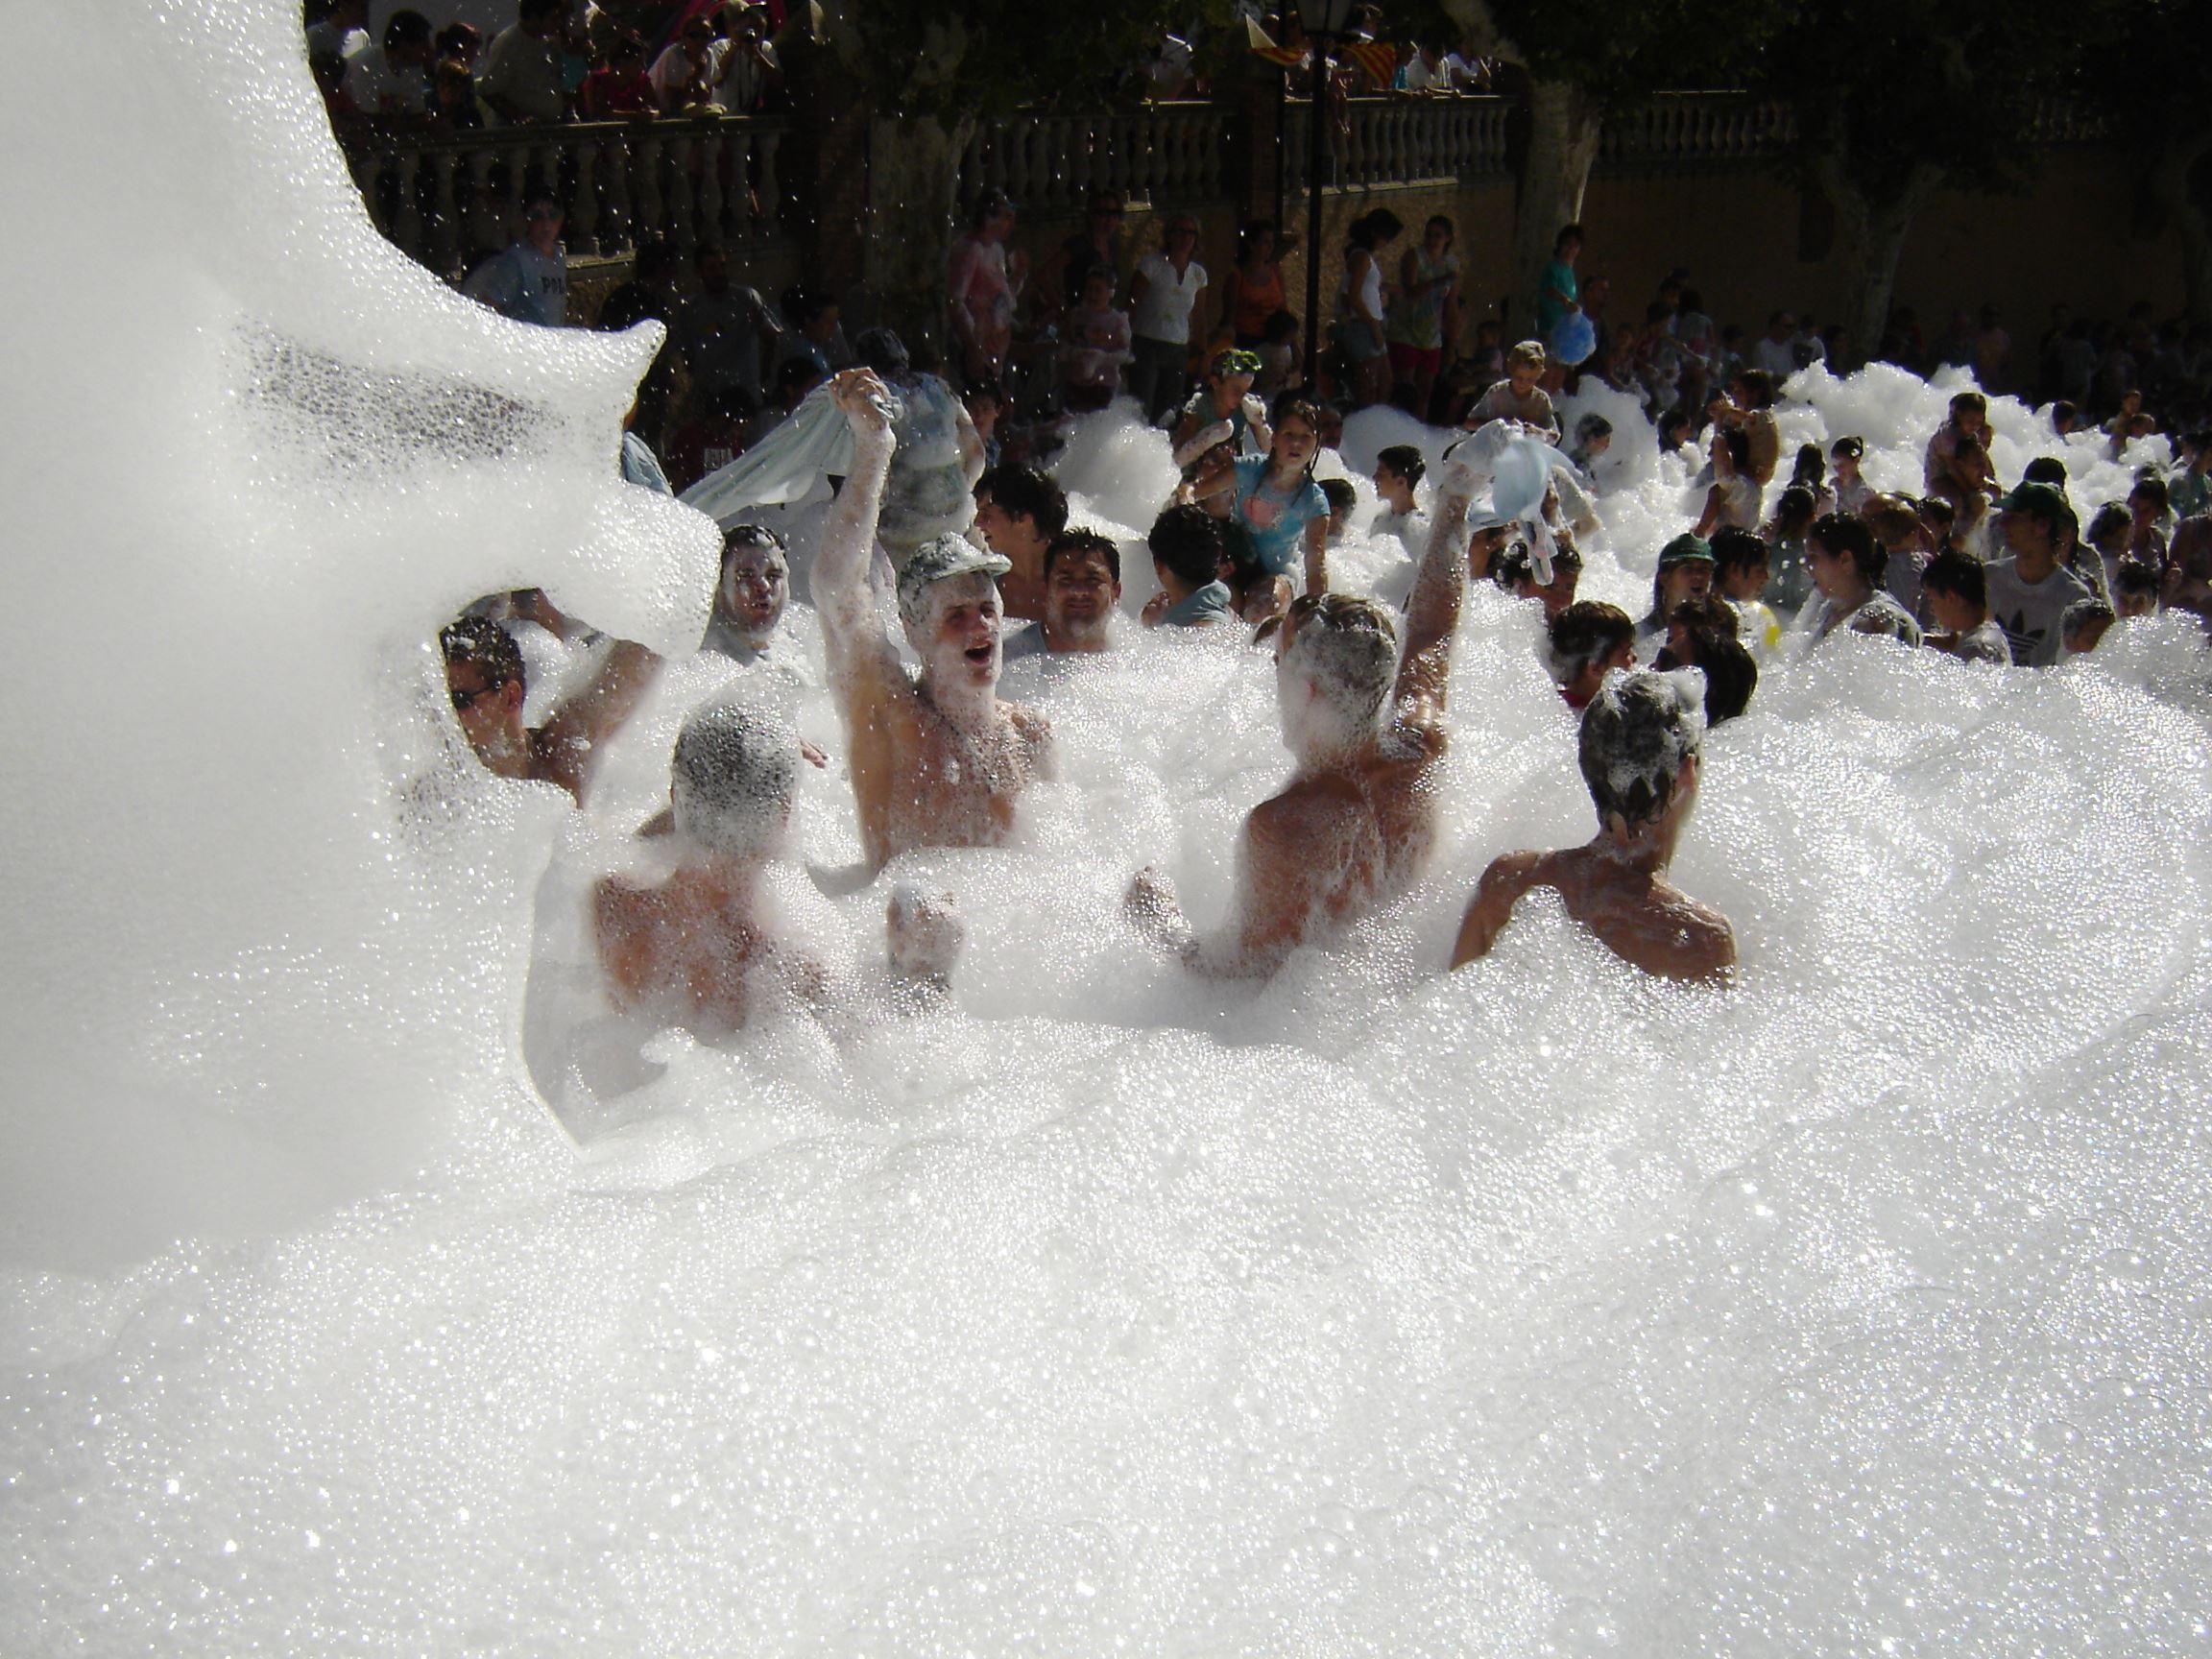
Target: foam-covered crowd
{"points": [[932, 570]]}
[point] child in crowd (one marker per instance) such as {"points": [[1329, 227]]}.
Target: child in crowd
{"points": [[1398, 473], [2135, 592], [1852, 491], [1096, 345], [1739, 571], [2082, 625], [1592, 437], [1957, 592], [1847, 564]]}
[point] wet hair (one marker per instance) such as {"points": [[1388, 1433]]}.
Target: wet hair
{"points": [[731, 778], [1024, 492], [1854, 447], [1731, 676], [1758, 386], [2081, 615], [1636, 734], [1586, 631], [2044, 470], [1085, 541], [1528, 354], [1342, 497], [1793, 509], [1406, 461], [1347, 648], [481, 643], [1810, 466], [1672, 428], [1189, 541], [1734, 549], [1371, 229], [1590, 428], [1854, 540], [1958, 573]]}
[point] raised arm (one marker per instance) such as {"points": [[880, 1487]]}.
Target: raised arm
{"points": [[1433, 614], [853, 638], [1492, 906], [1318, 555], [567, 744], [970, 441]]}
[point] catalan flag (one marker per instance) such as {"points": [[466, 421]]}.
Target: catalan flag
{"points": [[1378, 57], [1263, 46]]}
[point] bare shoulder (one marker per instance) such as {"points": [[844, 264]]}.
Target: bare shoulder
{"points": [[1702, 942], [1308, 810], [1511, 875]]}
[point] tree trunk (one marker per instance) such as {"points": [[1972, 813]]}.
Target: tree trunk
{"points": [[1874, 235], [2172, 178], [914, 215], [1563, 127]]}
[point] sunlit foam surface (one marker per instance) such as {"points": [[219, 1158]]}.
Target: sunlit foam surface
{"points": [[1538, 1308]]}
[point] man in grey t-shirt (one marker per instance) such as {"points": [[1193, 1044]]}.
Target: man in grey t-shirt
{"points": [[2029, 592]]}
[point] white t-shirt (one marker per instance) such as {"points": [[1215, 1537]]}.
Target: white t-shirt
{"points": [[672, 71], [1164, 310], [377, 89], [1776, 356]]}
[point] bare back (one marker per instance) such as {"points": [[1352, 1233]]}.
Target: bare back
{"points": [[1641, 917], [671, 951]]}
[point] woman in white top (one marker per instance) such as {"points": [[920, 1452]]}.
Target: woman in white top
{"points": [[1359, 305], [1733, 498], [1162, 296]]}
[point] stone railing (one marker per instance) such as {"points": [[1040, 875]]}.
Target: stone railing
{"points": [[447, 197], [1402, 141], [1050, 163], [1678, 130]]}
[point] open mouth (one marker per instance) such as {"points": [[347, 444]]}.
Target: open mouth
{"points": [[978, 655]]}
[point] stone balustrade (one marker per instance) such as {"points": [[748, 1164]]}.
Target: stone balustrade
{"points": [[1387, 141], [1050, 164], [445, 198], [1678, 130]]}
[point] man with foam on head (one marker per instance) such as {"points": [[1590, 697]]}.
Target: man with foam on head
{"points": [[484, 679], [1639, 757], [1358, 820], [939, 761], [1082, 592]]}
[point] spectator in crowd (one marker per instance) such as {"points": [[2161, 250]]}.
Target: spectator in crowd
{"points": [[750, 70], [521, 83], [1253, 291], [453, 102], [815, 332], [720, 431], [1278, 511], [1852, 491], [1095, 345], [1847, 563], [1467, 376], [1733, 497], [2149, 521], [1019, 513], [688, 75], [2030, 589], [1957, 461], [1096, 244], [982, 282], [722, 332], [1772, 354], [2190, 491], [1082, 594], [1164, 296], [619, 89], [986, 404], [1958, 600], [1739, 571], [1639, 755], [1282, 362], [1424, 312], [394, 83], [2135, 592], [2082, 625], [1360, 306], [487, 683], [1557, 291], [460, 43], [1752, 406], [528, 282], [341, 32], [1187, 553], [1586, 641]]}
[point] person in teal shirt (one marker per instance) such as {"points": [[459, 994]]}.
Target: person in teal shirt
{"points": [[1557, 291]]}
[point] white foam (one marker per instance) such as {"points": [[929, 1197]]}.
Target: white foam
{"points": [[1537, 1308]]}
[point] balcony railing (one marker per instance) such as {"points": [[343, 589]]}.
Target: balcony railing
{"points": [[445, 197], [1679, 129], [1402, 141], [1050, 163]]}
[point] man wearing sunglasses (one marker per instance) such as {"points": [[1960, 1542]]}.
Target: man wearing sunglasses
{"points": [[486, 680], [529, 281]]}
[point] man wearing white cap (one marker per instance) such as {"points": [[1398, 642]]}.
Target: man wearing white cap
{"points": [[937, 761]]}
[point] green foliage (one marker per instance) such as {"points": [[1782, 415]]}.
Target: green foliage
{"points": [[955, 59], [1892, 94], [1617, 52]]}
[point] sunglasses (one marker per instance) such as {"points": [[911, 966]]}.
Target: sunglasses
{"points": [[464, 701]]}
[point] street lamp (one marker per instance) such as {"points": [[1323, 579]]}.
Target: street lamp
{"points": [[1324, 20]]}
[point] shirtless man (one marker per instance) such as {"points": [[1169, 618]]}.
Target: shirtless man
{"points": [[938, 762], [698, 945], [1639, 753], [1358, 820], [485, 678]]}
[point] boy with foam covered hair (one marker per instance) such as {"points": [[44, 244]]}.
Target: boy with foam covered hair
{"points": [[1638, 756]]}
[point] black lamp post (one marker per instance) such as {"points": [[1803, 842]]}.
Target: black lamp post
{"points": [[1324, 20]]}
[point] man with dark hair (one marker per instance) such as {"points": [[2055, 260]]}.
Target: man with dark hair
{"points": [[2029, 591], [1082, 590], [1359, 818], [1638, 757], [1516, 572], [528, 282], [1957, 591], [1586, 641], [1187, 548], [484, 679], [1018, 512], [937, 761], [520, 82]]}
